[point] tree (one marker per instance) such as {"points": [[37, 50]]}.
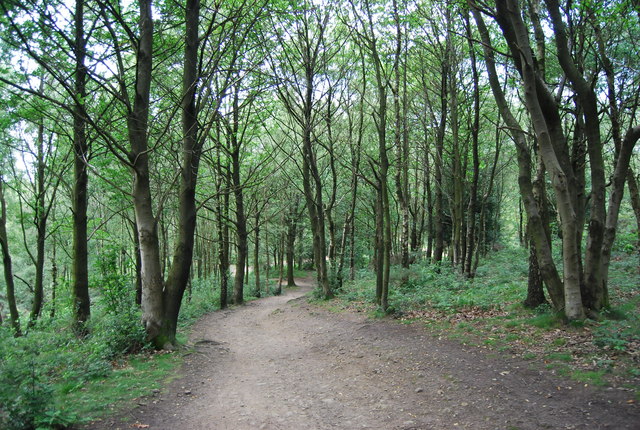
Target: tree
{"points": [[7, 264], [51, 40], [299, 70], [82, 303], [583, 290]]}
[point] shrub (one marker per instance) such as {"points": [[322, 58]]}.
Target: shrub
{"points": [[26, 391], [117, 335]]}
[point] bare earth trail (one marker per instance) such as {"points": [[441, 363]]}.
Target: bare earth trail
{"points": [[280, 363]]}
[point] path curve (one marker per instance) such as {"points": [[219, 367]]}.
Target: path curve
{"points": [[280, 363]]}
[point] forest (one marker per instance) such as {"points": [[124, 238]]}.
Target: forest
{"points": [[162, 159]]}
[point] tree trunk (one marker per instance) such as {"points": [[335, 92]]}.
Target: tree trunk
{"points": [[8, 268], [535, 288], [136, 246], [620, 175], [595, 294], [241, 249], [256, 256], [543, 249], [312, 185], [280, 263], [80, 290], [547, 129], [40, 220], [180, 272], [401, 141], [438, 219], [292, 224], [458, 173], [468, 269], [379, 247], [223, 242], [54, 280], [137, 122]]}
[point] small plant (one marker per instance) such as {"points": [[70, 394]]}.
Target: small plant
{"points": [[616, 335], [118, 335], [26, 395]]}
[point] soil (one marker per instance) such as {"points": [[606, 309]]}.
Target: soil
{"points": [[282, 363]]}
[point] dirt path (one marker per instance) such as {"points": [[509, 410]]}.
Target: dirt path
{"points": [[280, 363]]}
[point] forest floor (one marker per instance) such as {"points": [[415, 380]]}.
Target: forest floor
{"points": [[283, 363]]}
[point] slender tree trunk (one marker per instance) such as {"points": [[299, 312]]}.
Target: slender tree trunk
{"points": [[241, 250], [7, 265], [80, 288], [180, 272], [40, 220], [458, 173], [136, 245], [535, 287], [256, 256], [223, 245], [620, 175], [379, 248], [543, 249], [401, 140], [473, 192], [438, 219], [547, 132], [292, 224], [137, 121], [595, 293], [54, 280], [280, 263], [268, 254]]}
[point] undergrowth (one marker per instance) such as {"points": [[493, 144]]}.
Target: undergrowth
{"points": [[50, 378]]}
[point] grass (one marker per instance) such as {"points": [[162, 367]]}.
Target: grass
{"points": [[139, 377], [487, 312], [51, 379]]}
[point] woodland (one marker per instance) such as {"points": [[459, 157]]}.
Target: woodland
{"points": [[161, 159]]}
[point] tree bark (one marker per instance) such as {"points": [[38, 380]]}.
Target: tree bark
{"points": [[468, 269], [595, 292], [80, 289], [54, 281], [438, 218], [543, 249], [179, 274], [40, 220], [548, 131], [137, 122], [242, 248], [401, 140], [535, 288], [222, 208], [292, 226], [620, 175], [256, 255], [14, 316], [311, 47], [383, 213]]}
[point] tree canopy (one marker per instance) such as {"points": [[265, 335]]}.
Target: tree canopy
{"points": [[168, 137]]}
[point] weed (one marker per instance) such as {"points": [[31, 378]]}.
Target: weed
{"points": [[545, 321], [561, 356], [592, 377]]}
